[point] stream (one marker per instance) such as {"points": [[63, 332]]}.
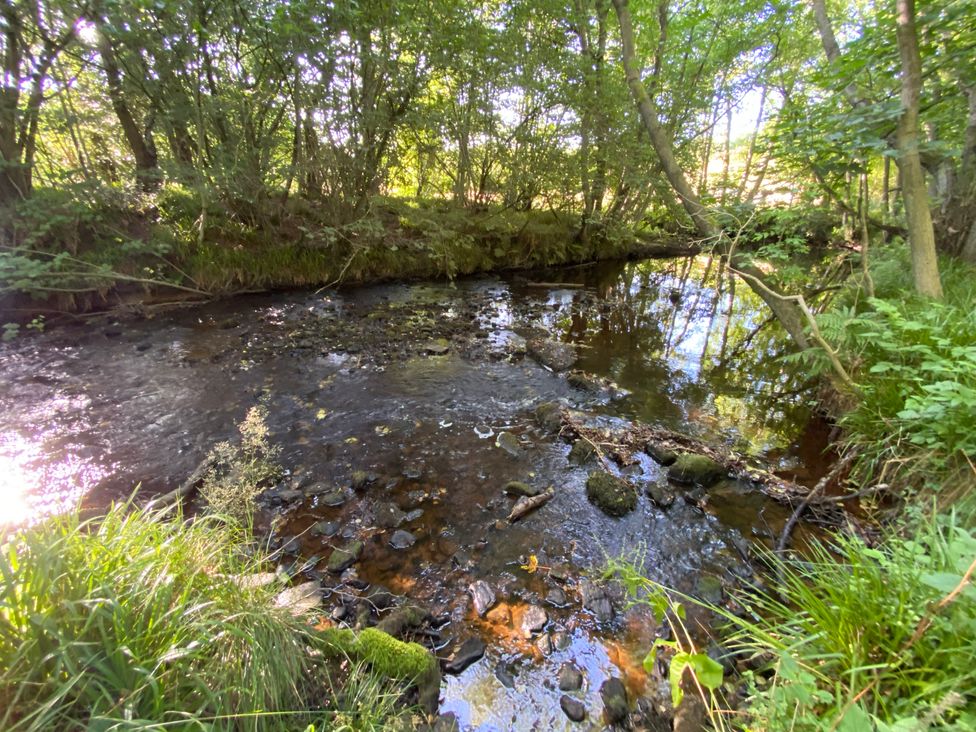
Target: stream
{"points": [[388, 403]]}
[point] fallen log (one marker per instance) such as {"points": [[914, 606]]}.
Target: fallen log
{"points": [[529, 504]]}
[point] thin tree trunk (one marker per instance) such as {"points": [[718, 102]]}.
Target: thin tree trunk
{"points": [[921, 235]]}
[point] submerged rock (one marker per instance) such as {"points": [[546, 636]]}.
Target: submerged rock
{"points": [[614, 696], [572, 708], [553, 354], [610, 494], [334, 498], [518, 488], [660, 494], [326, 528], [570, 677], [344, 557], [509, 443], [660, 454], [693, 469], [549, 416], [596, 599], [402, 539], [482, 596], [389, 516], [470, 651], [581, 452]]}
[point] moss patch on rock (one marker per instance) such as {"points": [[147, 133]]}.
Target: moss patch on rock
{"points": [[610, 494], [693, 469]]}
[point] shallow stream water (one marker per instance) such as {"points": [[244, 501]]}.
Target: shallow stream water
{"points": [[411, 384]]}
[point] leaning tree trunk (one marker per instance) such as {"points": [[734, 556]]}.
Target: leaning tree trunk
{"points": [[786, 311], [921, 234]]}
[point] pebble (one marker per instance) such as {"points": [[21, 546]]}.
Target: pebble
{"points": [[402, 539], [572, 708]]}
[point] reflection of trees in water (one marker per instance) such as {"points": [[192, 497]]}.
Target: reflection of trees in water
{"points": [[681, 324]]}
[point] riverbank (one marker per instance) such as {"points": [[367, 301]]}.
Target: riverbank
{"points": [[101, 255]]}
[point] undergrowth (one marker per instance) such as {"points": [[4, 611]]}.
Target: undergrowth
{"points": [[136, 621]]}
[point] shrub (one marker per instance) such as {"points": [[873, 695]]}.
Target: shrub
{"points": [[239, 473]]}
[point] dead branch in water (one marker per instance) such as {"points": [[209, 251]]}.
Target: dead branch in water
{"points": [[528, 504]]}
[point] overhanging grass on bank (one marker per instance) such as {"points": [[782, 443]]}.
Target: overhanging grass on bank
{"points": [[77, 250], [136, 621]]}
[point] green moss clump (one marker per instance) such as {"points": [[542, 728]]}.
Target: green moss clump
{"points": [[697, 469], [393, 658], [610, 494]]}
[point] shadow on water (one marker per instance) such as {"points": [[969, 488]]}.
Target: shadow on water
{"points": [[411, 384]]}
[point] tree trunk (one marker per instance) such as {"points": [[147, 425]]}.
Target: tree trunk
{"points": [[786, 311], [921, 235], [140, 142]]}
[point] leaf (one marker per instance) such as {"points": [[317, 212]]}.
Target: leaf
{"points": [[856, 720], [532, 565], [941, 581]]}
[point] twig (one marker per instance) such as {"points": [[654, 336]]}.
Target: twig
{"points": [[821, 485]]}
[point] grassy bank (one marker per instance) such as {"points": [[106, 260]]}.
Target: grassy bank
{"points": [[137, 620], [65, 250]]}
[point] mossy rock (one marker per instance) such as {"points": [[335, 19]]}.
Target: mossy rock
{"points": [[344, 557], [549, 416], [610, 494], [693, 469], [660, 454], [518, 488], [394, 659], [581, 452]]}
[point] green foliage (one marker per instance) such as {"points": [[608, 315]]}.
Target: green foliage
{"points": [[684, 656], [240, 472], [917, 372], [855, 636], [136, 620]]}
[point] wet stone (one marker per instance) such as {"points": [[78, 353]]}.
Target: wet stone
{"points": [[438, 347], [533, 620], [505, 675], [402, 539], [561, 640], [509, 443], [581, 453], [389, 516], [548, 415], [544, 644], [288, 496], [326, 528], [693, 469], [660, 454], [291, 546], [317, 489], [344, 557], [596, 600], [334, 498], [300, 598], [570, 677], [469, 652], [412, 516], [482, 596], [557, 597], [614, 696], [660, 494], [360, 480], [572, 708], [709, 589], [518, 488], [553, 354], [610, 494]]}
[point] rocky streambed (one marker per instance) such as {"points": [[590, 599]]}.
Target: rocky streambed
{"points": [[452, 471]]}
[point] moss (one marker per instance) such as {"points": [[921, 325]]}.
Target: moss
{"points": [[402, 619], [393, 658], [610, 494], [696, 469], [581, 452]]}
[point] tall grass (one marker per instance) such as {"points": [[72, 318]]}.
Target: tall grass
{"points": [[134, 620], [860, 638]]}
